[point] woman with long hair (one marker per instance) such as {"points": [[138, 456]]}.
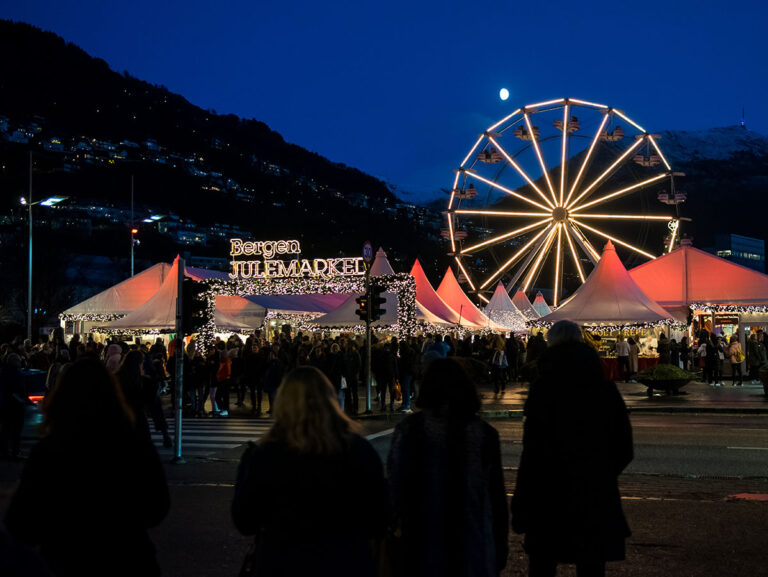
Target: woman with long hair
{"points": [[312, 490], [91, 487], [447, 483]]}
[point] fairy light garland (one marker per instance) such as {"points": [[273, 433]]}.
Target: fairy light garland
{"points": [[615, 327], [712, 308], [91, 317], [402, 284]]}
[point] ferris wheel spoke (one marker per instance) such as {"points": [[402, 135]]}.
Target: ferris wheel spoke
{"points": [[466, 274], [574, 255], [564, 150], [472, 150], [504, 213], [625, 216], [503, 237], [587, 158], [607, 171], [533, 274], [623, 191], [503, 120], [534, 140], [515, 257], [584, 243], [519, 170], [659, 152], [614, 239], [558, 250], [453, 189], [505, 189], [674, 236]]}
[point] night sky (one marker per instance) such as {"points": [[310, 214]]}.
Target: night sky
{"points": [[400, 89]]}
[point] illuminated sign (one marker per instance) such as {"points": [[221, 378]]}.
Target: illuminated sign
{"points": [[294, 268]]}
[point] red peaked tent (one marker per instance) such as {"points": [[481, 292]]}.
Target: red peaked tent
{"points": [[609, 297], [688, 275], [429, 299], [450, 291]]}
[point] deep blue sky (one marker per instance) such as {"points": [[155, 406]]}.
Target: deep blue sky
{"points": [[401, 88]]}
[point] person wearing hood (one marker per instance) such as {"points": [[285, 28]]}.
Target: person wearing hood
{"points": [[114, 357], [577, 439]]}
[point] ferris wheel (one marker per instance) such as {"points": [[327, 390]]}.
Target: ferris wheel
{"points": [[543, 187]]}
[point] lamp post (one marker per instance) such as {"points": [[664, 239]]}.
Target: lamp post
{"points": [[50, 201]]}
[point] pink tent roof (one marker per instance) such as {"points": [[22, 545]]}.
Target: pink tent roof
{"points": [[125, 296], [689, 275], [609, 297], [450, 291], [524, 305], [429, 299]]}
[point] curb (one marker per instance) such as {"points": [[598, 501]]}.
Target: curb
{"points": [[517, 414]]}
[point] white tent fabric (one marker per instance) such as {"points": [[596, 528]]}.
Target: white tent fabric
{"points": [[381, 266], [159, 312], [540, 305], [291, 304], [241, 309], [609, 297], [501, 310], [225, 323], [430, 300], [344, 315], [524, 305], [125, 296]]}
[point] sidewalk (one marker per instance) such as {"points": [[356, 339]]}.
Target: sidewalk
{"points": [[695, 397]]}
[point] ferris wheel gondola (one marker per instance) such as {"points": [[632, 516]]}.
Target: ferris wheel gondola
{"points": [[552, 216]]}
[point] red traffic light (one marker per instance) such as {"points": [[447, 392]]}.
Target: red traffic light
{"points": [[134, 231]]}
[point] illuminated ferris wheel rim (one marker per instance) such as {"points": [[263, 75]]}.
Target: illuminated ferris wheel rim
{"points": [[558, 206]]}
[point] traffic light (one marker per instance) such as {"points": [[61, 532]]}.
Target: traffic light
{"points": [[194, 306], [362, 307], [377, 302]]}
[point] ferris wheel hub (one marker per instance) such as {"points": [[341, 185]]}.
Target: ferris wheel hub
{"points": [[560, 214]]}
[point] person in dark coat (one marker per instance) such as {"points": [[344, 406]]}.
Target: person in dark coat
{"points": [[13, 402], [664, 349], [273, 375], [313, 489], [90, 515], [577, 440], [352, 365], [384, 368], [133, 386], [446, 481]]}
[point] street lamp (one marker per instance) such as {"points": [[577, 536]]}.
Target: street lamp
{"points": [[50, 201]]}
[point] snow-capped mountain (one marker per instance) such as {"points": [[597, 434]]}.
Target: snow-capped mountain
{"points": [[683, 146]]}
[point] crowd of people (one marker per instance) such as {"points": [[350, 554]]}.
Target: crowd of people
{"points": [[440, 509]]}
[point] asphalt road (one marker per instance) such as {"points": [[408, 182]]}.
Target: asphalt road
{"points": [[690, 497]]}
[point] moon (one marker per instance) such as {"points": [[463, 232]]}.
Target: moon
{"points": [[503, 93]]}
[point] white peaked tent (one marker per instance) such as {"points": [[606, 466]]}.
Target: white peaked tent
{"points": [[609, 297], [344, 315], [159, 312], [427, 298], [540, 305], [524, 305], [450, 291], [125, 296], [502, 311]]}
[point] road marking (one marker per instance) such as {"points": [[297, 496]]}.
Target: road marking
{"points": [[373, 436], [748, 448]]}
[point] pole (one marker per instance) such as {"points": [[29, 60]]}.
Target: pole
{"points": [[368, 342], [29, 283], [179, 389], [132, 241]]}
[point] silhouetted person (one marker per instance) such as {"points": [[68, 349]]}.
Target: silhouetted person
{"points": [[91, 488], [312, 489], [577, 440], [13, 401], [446, 481]]}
